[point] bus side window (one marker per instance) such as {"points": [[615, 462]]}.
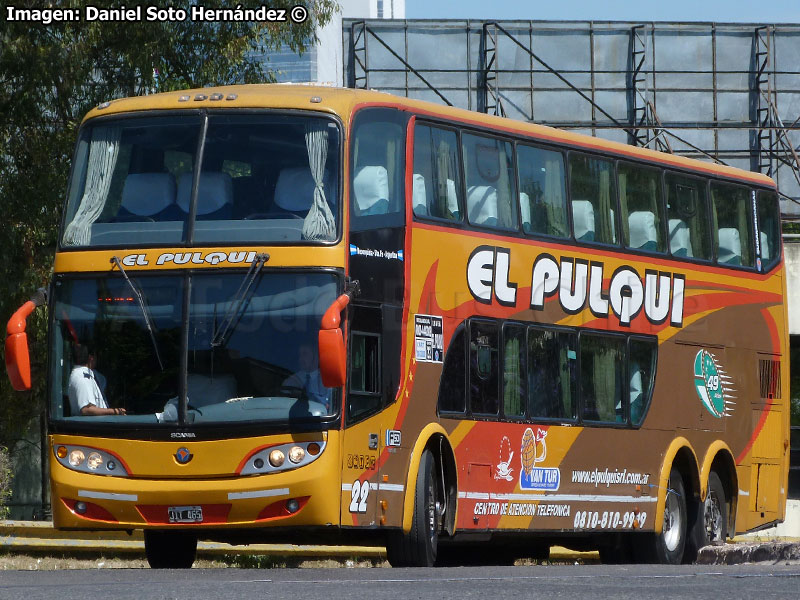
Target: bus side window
{"points": [[377, 173], [733, 240], [483, 367], [688, 218], [514, 370], [437, 178], [602, 372], [641, 375], [452, 390], [552, 374], [591, 186], [769, 229], [641, 209], [542, 191], [489, 175]]}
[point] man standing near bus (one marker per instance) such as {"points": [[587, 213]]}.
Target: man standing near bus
{"points": [[86, 386]]}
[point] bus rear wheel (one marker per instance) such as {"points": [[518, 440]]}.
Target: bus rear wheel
{"points": [[418, 547], [170, 549], [668, 546]]}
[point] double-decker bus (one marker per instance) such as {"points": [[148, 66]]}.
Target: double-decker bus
{"points": [[310, 314]]}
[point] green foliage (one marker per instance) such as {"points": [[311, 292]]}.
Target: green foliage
{"points": [[50, 76], [5, 482]]}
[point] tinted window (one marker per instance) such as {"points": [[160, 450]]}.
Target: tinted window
{"points": [[483, 368], [602, 373], [552, 374], [542, 191], [641, 208], [641, 373], [489, 174], [688, 219], [591, 185], [365, 363], [452, 393], [514, 370], [733, 210], [377, 171], [769, 228], [436, 180]]}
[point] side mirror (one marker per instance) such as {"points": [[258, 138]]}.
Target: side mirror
{"points": [[332, 355], [18, 362]]}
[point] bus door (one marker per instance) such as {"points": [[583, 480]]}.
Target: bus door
{"points": [[377, 263]]}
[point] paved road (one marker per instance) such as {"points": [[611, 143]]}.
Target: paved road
{"points": [[590, 582]]}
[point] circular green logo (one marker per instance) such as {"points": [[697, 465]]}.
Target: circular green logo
{"points": [[706, 380]]}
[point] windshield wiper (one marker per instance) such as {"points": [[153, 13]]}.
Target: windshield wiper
{"points": [[232, 315], [148, 320]]}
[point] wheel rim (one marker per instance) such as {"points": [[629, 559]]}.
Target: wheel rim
{"points": [[672, 521], [712, 517]]}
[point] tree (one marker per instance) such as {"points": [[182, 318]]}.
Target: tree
{"points": [[50, 76]]}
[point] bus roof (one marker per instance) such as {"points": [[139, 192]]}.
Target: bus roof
{"points": [[342, 101]]}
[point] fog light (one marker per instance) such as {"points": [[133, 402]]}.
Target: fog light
{"points": [[313, 448], [80, 507], [292, 505], [296, 454], [94, 460], [76, 457], [258, 463], [61, 452], [276, 458]]}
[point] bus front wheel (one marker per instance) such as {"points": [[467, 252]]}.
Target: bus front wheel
{"points": [[418, 547], [170, 549]]}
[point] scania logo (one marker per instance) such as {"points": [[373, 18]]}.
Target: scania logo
{"points": [[183, 456]]}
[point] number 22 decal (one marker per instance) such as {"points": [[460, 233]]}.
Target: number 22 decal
{"points": [[358, 496]]}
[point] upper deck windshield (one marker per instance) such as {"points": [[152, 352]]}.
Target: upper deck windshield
{"points": [[251, 354], [264, 177]]}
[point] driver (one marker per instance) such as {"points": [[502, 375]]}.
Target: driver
{"points": [[86, 386], [308, 378]]}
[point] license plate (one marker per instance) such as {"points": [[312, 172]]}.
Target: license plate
{"points": [[185, 514]]}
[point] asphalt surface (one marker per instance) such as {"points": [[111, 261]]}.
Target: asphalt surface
{"points": [[588, 581]]}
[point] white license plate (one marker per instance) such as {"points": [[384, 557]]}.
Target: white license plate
{"points": [[185, 514]]}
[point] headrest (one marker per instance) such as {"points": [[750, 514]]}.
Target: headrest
{"points": [[680, 242], [525, 210], [482, 204], [215, 191], [370, 185], [147, 194], [642, 229], [419, 195], [583, 219], [730, 246], [295, 189], [765, 249]]}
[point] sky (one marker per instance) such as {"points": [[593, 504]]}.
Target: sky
{"points": [[720, 11]]}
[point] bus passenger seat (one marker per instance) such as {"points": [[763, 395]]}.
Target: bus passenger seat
{"points": [[294, 191], [680, 242], [148, 195], [730, 246], [525, 211], [642, 228], [636, 393], [214, 196], [765, 249], [583, 220], [419, 196], [371, 189], [482, 204]]}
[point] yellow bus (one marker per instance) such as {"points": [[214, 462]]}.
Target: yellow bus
{"points": [[309, 315]]}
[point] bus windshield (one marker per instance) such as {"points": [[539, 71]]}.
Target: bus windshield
{"points": [[265, 177], [251, 355]]}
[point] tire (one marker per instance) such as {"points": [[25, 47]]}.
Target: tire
{"points": [[170, 549], [667, 547], [418, 548]]}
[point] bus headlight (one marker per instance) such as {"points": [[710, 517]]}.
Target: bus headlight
{"points": [[274, 458], [90, 460]]}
